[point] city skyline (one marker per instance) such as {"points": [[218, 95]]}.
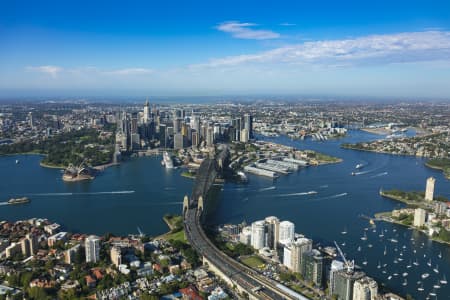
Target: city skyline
{"points": [[399, 50]]}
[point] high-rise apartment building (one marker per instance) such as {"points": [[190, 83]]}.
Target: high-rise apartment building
{"points": [[92, 247], [429, 191]]}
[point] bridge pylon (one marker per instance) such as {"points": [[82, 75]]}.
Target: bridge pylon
{"points": [[185, 204], [200, 204]]}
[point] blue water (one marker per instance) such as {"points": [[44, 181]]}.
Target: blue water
{"points": [[135, 194], [339, 201], [139, 192]]}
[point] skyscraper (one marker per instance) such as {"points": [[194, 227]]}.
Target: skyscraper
{"points": [[429, 191], [92, 246], [248, 124], [312, 269], [343, 283], [365, 289], [273, 231], [146, 116], [419, 217], [258, 234], [287, 231], [299, 247], [336, 266]]}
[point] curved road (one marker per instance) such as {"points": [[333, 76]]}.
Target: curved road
{"points": [[255, 284]]}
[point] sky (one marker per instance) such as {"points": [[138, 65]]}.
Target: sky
{"points": [[398, 49]]}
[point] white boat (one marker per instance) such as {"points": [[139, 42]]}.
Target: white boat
{"points": [[400, 259], [364, 237], [395, 274], [17, 161], [394, 240], [437, 285], [405, 283], [359, 166], [365, 262], [420, 288], [344, 231], [359, 248], [433, 293], [443, 280], [379, 265], [425, 275], [416, 263], [405, 274], [440, 255], [390, 277], [385, 251], [429, 263], [370, 245], [167, 160], [436, 270]]}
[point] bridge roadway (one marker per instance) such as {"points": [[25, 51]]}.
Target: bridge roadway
{"points": [[255, 284]]}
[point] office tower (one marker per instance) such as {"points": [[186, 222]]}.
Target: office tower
{"points": [[248, 125], [299, 247], [116, 256], [258, 234], [177, 125], [365, 289], [312, 269], [146, 117], [184, 129], [244, 136], [135, 141], [343, 283], [195, 138], [217, 133], [286, 232], [30, 119], [236, 123], [178, 141], [336, 266], [419, 217], [210, 136], [92, 246], [163, 135], [429, 191], [273, 231], [195, 123], [134, 122]]}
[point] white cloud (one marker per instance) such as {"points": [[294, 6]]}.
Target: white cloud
{"points": [[50, 70], [245, 31], [287, 24], [372, 49], [129, 71]]}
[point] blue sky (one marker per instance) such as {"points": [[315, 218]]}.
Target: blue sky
{"points": [[354, 48]]}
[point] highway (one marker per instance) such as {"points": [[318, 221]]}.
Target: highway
{"points": [[255, 284]]}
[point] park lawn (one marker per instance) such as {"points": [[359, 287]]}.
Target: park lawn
{"points": [[253, 261], [178, 236]]}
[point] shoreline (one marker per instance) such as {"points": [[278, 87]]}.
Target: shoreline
{"points": [[443, 170], [381, 217]]}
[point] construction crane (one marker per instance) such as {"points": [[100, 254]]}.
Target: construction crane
{"points": [[349, 265]]}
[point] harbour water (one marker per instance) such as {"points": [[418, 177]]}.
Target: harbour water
{"points": [[336, 206], [135, 194], [321, 201]]}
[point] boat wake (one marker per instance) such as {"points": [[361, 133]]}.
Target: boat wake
{"points": [[4, 203], [323, 186], [267, 189], [332, 196], [380, 174], [88, 193], [298, 194]]}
